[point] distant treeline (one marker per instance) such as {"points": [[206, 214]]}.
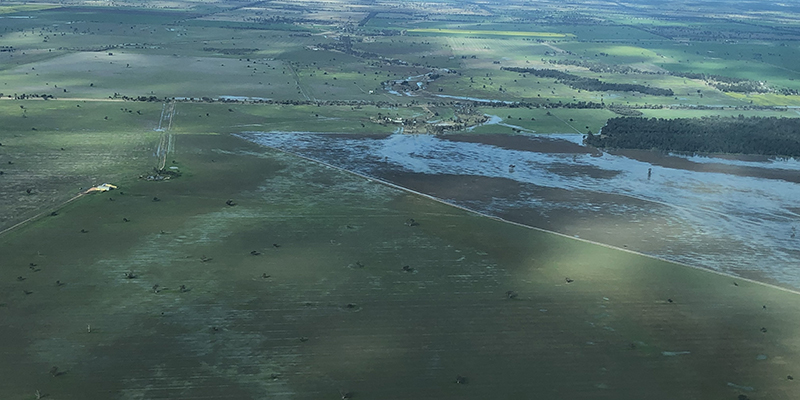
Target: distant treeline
{"points": [[25, 96], [726, 83], [600, 67], [596, 85], [231, 51], [719, 82], [735, 135]]}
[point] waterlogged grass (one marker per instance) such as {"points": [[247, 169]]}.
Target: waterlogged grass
{"points": [[325, 305]]}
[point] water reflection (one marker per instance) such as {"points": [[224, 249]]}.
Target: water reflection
{"points": [[722, 221]]}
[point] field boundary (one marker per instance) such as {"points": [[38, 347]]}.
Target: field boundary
{"points": [[299, 86], [499, 219], [37, 216]]}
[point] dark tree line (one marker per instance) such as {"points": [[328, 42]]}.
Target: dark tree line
{"points": [[592, 84], [726, 83], [734, 135], [719, 82], [599, 67], [24, 96]]}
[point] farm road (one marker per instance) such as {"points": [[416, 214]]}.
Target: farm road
{"points": [[166, 142]]}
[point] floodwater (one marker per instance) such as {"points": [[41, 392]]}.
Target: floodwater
{"points": [[737, 216]]}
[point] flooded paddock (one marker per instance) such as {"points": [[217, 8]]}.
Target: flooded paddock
{"points": [[733, 215], [296, 280]]}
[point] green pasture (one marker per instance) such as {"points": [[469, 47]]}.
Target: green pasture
{"points": [[564, 33], [256, 274], [609, 53], [31, 116], [611, 33], [15, 60], [405, 48], [55, 148], [504, 85], [19, 8], [100, 75], [486, 51], [427, 51], [541, 120], [325, 307], [640, 19], [114, 15], [767, 99], [235, 118], [757, 60], [55, 30], [684, 113], [326, 75], [248, 25], [472, 32]]}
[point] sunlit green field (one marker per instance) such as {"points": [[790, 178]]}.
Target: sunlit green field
{"points": [[545, 121], [55, 148], [102, 75]]}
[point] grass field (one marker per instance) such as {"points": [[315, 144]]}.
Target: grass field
{"points": [[101, 75], [258, 274], [55, 148], [192, 118], [19, 8], [337, 304], [546, 121]]}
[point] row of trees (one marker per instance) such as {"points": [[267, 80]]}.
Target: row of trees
{"points": [[734, 135], [592, 84], [719, 82], [599, 67], [24, 96], [726, 83]]}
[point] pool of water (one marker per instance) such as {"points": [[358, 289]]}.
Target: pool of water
{"points": [[736, 221]]}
